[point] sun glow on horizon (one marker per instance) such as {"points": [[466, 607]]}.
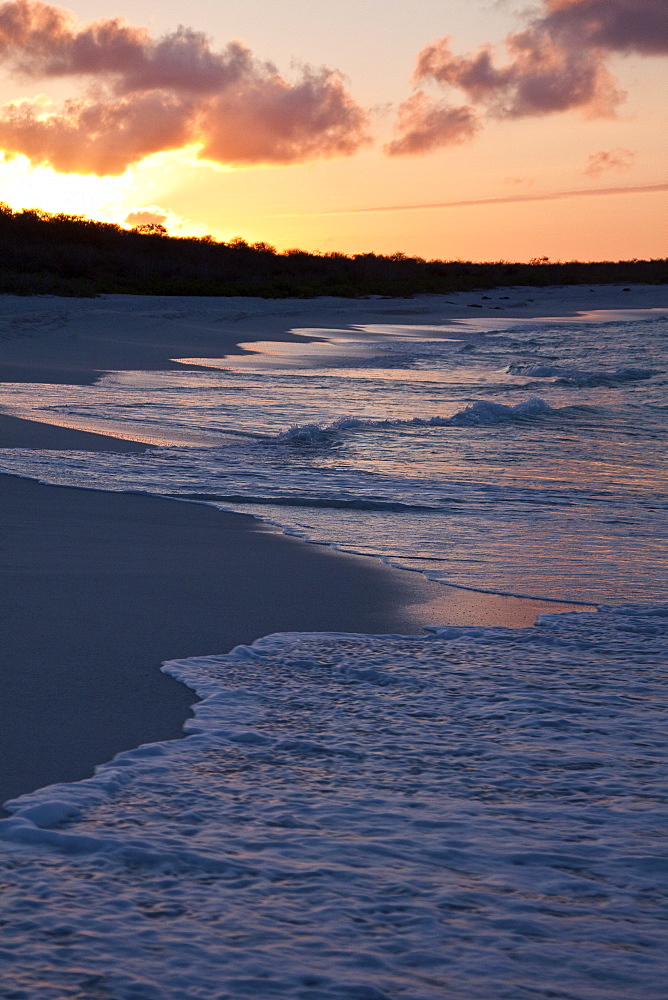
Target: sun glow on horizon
{"points": [[105, 199], [467, 231], [396, 136], [25, 186]]}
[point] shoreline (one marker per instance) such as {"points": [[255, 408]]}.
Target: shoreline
{"points": [[99, 588], [17, 432], [76, 341]]}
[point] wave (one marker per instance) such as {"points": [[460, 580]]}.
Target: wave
{"points": [[303, 815], [481, 413], [334, 503], [486, 414], [582, 377]]}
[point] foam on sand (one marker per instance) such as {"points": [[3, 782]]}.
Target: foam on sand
{"points": [[474, 814]]}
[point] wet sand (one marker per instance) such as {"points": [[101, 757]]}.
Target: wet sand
{"points": [[97, 589], [16, 432]]}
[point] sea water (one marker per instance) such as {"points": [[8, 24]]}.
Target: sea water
{"points": [[476, 813], [521, 457]]}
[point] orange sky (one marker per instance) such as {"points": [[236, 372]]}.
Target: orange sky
{"points": [[318, 125]]}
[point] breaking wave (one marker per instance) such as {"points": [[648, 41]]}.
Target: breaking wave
{"points": [[482, 413], [331, 502], [581, 377]]}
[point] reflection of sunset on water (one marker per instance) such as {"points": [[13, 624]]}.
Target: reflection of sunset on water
{"points": [[527, 459]]}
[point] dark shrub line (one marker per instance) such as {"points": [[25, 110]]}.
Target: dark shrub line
{"points": [[44, 254]]}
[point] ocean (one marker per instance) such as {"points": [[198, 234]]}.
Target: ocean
{"points": [[475, 813]]}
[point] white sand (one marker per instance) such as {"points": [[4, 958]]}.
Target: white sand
{"points": [[49, 339]]}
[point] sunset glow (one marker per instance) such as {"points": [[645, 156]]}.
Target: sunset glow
{"points": [[530, 134]]}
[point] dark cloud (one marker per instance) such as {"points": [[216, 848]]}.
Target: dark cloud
{"points": [[543, 76], [148, 95], [558, 62], [424, 125], [639, 26]]}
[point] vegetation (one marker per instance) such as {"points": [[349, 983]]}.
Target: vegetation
{"points": [[43, 254]]}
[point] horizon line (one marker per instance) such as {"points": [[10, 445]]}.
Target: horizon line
{"points": [[469, 203]]}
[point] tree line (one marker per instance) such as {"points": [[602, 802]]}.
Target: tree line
{"points": [[59, 254]]}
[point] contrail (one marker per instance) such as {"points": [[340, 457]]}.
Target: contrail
{"points": [[507, 200]]}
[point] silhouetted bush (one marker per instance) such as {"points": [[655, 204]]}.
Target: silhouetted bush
{"points": [[43, 254]]}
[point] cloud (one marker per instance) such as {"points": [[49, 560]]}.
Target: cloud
{"points": [[639, 26], [97, 137], [424, 125], [148, 95], [276, 122], [544, 75], [558, 62], [614, 159], [146, 218]]}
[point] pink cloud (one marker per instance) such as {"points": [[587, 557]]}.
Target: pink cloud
{"points": [[98, 137], [557, 63], [40, 40], [613, 159], [281, 123], [424, 125], [148, 95]]}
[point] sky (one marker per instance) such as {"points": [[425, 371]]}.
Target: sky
{"points": [[451, 129]]}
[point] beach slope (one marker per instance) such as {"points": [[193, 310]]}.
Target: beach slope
{"points": [[97, 589]]}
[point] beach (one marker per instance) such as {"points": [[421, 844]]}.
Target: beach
{"points": [[98, 589], [406, 740], [51, 340]]}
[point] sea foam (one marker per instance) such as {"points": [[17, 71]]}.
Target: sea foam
{"points": [[583, 377], [476, 813], [411, 449], [481, 413]]}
